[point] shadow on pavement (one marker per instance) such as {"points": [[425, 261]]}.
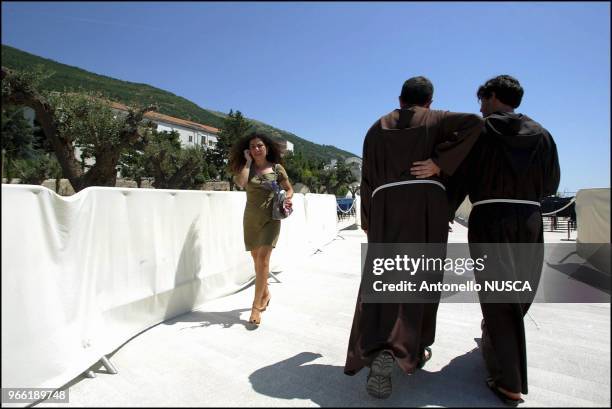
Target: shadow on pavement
{"points": [[460, 383], [585, 274], [225, 319]]}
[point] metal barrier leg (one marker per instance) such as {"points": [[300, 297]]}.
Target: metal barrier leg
{"points": [[534, 321], [89, 374], [107, 364], [274, 276]]}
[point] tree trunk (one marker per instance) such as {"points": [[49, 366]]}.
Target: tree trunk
{"points": [[103, 173], [64, 151], [9, 176], [176, 181], [159, 178]]}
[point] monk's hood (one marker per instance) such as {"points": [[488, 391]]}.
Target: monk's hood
{"points": [[518, 135], [514, 130], [399, 118]]}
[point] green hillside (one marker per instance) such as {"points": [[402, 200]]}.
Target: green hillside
{"points": [[66, 77]]}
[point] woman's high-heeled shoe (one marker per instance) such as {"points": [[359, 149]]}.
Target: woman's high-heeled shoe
{"points": [[256, 315], [256, 312]]}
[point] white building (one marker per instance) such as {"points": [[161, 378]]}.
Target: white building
{"points": [[289, 146], [354, 163], [190, 133], [285, 145]]}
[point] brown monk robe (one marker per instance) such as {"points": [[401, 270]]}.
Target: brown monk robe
{"points": [[416, 213], [515, 158]]}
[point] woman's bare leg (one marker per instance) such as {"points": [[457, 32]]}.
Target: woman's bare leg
{"points": [[255, 255], [261, 257], [264, 268]]}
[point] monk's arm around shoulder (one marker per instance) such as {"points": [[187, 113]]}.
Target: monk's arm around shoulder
{"points": [[458, 133]]}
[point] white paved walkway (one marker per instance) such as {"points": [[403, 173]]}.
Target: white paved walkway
{"points": [[295, 358]]}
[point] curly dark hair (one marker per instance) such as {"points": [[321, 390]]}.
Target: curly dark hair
{"points": [[237, 159], [417, 91], [506, 88]]}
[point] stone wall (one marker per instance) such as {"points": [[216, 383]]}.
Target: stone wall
{"points": [[216, 186]]}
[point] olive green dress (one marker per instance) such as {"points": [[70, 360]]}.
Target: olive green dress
{"points": [[259, 227]]}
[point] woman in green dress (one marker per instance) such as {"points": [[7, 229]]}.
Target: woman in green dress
{"points": [[256, 163]]}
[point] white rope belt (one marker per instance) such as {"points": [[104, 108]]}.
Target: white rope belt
{"points": [[529, 202], [407, 182]]}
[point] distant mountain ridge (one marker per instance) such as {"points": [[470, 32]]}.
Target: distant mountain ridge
{"points": [[67, 77]]}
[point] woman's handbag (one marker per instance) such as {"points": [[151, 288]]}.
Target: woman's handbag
{"points": [[279, 210]]}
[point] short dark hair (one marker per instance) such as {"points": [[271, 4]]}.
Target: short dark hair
{"points": [[417, 91], [506, 88]]}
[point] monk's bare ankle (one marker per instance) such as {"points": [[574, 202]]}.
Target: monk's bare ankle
{"points": [[512, 395]]}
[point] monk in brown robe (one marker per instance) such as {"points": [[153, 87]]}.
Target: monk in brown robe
{"points": [[512, 167], [405, 213]]}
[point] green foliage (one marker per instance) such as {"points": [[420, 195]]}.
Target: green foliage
{"points": [[344, 177], [318, 180], [338, 179], [303, 170], [310, 150], [132, 165], [67, 78], [17, 133], [36, 169], [26, 155], [234, 128], [17, 140], [194, 179], [88, 121], [161, 157], [84, 121], [39, 139], [28, 81], [342, 191]]}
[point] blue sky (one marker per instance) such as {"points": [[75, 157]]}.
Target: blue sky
{"points": [[326, 71]]}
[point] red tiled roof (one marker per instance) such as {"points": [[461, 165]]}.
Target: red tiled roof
{"points": [[156, 116]]}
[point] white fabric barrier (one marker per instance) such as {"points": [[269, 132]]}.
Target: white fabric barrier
{"points": [[320, 220], [593, 220], [83, 274], [292, 243]]}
